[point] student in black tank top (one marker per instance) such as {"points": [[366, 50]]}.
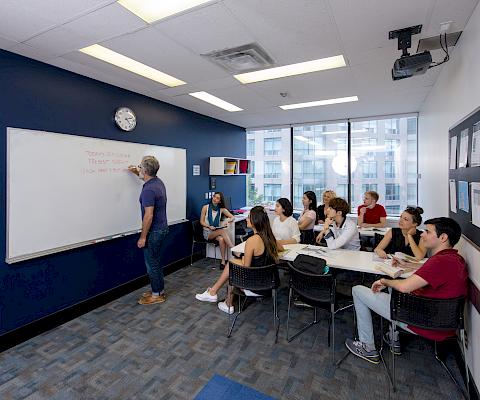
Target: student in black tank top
{"points": [[405, 238], [260, 249]]}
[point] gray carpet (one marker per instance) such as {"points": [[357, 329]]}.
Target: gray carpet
{"points": [[171, 350]]}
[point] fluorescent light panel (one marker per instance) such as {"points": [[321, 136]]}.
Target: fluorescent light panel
{"points": [[207, 97], [131, 65], [292, 69], [154, 10], [319, 103]]}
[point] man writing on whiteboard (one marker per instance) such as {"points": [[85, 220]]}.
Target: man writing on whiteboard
{"points": [[153, 203]]}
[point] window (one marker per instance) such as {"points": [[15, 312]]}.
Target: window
{"points": [[250, 147], [369, 169], [272, 192], [267, 164], [389, 169], [273, 170], [272, 146], [392, 191], [319, 159], [383, 157], [368, 187], [392, 210]]}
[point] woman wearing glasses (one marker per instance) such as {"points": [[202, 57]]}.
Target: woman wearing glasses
{"points": [[405, 238], [260, 249]]}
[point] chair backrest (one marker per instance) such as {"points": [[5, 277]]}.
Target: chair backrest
{"points": [[427, 313], [307, 236], [377, 239], [313, 286], [197, 230], [258, 278]]}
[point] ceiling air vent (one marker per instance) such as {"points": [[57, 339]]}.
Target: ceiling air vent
{"points": [[246, 58]]}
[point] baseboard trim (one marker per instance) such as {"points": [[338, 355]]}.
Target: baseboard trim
{"points": [[35, 328]]}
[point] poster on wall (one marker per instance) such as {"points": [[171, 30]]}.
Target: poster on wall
{"points": [[475, 156], [453, 196], [453, 152], [463, 156], [463, 198], [475, 186]]}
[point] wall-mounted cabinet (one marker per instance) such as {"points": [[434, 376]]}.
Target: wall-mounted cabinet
{"points": [[229, 166]]}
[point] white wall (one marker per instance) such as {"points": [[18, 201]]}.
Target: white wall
{"points": [[455, 94]]}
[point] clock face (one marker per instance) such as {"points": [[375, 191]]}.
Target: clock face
{"points": [[125, 119]]}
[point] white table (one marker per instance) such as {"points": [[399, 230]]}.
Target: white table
{"points": [[352, 260]]}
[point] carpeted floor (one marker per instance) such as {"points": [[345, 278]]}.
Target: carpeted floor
{"points": [[171, 350]]}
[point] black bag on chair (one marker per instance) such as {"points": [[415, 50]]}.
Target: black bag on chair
{"points": [[310, 264]]}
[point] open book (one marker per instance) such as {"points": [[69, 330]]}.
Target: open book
{"points": [[393, 272]]}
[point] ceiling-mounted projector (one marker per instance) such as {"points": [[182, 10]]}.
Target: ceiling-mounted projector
{"points": [[409, 65]]}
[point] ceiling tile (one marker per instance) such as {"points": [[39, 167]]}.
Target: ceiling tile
{"points": [[457, 11], [32, 52], [291, 31], [105, 23], [206, 29], [7, 43], [156, 50]]}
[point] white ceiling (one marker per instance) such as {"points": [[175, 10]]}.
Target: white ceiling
{"points": [[291, 31]]}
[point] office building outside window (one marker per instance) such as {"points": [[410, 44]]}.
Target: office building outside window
{"points": [[269, 150], [383, 159]]}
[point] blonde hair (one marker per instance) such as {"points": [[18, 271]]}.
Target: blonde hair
{"points": [[330, 192]]}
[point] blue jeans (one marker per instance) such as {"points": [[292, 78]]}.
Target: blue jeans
{"points": [[151, 253]]}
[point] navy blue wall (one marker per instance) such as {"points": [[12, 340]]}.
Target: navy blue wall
{"points": [[37, 96]]}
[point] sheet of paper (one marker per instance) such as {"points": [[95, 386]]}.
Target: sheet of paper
{"points": [[463, 197], [475, 156], [453, 196], [453, 152], [475, 187], [463, 156]]}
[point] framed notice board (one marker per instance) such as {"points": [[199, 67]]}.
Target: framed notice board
{"points": [[464, 175]]}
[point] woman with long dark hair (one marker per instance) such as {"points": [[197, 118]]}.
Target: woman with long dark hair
{"points": [[213, 227], [260, 249], [308, 217], [405, 238]]}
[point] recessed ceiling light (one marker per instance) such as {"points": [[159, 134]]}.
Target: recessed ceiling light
{"points": [[292, 69], [215, 101], [153, 10], [319, 103], [131, 65]]}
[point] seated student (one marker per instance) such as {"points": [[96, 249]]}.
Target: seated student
{"points": [[371, 214], [260, 249], [405, 238], [210, 218], [327, 196], [343, 233], [443, 276], [308, 217], [284, 226]]}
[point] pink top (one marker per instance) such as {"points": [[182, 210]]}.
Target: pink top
{"points": [[310, 214]]}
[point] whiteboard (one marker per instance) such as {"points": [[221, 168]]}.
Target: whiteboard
{"points": [[66, 191]]}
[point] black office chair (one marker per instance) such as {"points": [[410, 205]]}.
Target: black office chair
{"points": [[241, 231], [427, 313], [258, 279], [307, 236], [313, 287], [197, 238]]}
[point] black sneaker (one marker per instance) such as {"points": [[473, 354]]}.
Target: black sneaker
{"points": [[358, 349], [396, 349]]}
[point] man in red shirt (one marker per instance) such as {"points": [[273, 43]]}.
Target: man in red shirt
{"points": [[371, 214], [443, 276]]}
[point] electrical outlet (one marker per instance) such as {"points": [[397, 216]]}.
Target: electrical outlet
{"points": [[445, 27]]}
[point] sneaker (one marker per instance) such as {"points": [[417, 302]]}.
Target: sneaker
{"points": [[397, 350], [226, 309], [358, 349], [152, 299], [148, 293], [206, 296]]}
